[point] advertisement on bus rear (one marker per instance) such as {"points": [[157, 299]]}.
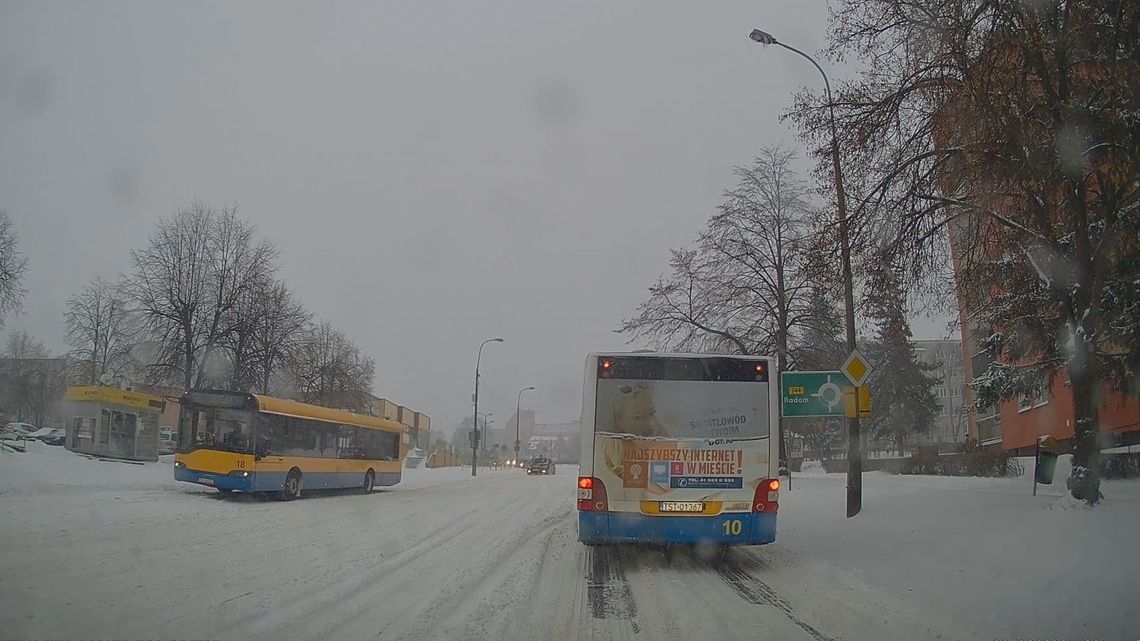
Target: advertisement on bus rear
{"points": [[659, 439]]}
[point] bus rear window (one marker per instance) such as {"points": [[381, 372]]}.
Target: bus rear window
{"points": [[660, 397]]}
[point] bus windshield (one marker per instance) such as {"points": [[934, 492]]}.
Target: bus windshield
{"points": [[699, 398], [216, 428]]}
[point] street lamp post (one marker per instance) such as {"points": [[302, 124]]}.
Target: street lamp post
{"points": [[518, 420], [486, 430], [854, 451], [474, 444], [475, 399]]}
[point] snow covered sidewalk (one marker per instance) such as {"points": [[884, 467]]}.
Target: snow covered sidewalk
{"points": [[46, 468], [984, 551]]}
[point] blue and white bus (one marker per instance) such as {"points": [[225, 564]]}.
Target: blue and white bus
{"points": [[679, 448]]}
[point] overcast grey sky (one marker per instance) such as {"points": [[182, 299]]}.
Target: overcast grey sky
{"points": [[435, 173]]}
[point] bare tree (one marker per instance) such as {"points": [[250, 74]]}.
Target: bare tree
{"points": [[98, 326], [760, 233], [819, 346], [1010, 125], [32, 381], [238, 341], [267, 326], [743, 288], [195, 270], [12, 267], [691, 310], [330, 369], [278, 333]]}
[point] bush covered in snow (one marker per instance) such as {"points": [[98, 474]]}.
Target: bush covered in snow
{"points": [[1120, 466], [989, 463]]}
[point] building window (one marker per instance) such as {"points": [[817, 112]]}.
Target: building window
{"points": [[1026, 402]]}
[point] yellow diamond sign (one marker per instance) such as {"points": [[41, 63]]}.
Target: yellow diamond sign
{"points": [[856, 368]]}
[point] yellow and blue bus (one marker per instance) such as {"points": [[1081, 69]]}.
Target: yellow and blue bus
{"points": [[678, 448], [253, 443]]}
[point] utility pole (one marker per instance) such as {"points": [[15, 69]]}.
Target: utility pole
{"points": [[854, 447], [475, 416], [518, 420]]}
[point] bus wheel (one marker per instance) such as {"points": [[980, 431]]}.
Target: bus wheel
{"points": [[292, 487], [369, 483]]}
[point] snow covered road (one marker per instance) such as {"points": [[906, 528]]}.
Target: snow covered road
{"points": [[443, 556]]}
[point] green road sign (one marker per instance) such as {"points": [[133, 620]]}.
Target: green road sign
{"points": [[804, 394]]}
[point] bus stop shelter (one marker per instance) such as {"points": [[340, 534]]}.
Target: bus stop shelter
{"points": [[106, 421]]}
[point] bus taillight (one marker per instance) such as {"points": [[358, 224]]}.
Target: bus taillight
{"points": [[767, 496], [592, 495]]}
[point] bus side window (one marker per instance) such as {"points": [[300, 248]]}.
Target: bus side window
{"points": [[389, 445], [345, 441], [268, 434], [369, 444]]}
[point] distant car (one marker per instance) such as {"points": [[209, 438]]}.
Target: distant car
{"points": [[17, 430], [43, 431], [55, 436], [540, 465]]}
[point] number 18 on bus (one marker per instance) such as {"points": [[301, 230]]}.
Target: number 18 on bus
{"points": [[678, 448]]}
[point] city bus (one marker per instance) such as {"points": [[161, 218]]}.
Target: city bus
{"points": [[253, 443], [679, 449]]}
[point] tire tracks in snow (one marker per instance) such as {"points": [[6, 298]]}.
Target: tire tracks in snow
{"points": [[678, 594], [757, 592], [607, 589], [555, 580], [353, 589], [468, 607]]}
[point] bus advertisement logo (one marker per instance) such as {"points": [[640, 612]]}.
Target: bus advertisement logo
{"points": [[636, 474], [659, 472], [707, 482]]}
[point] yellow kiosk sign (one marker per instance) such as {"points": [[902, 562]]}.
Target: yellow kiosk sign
{"points": [[117, 397]]}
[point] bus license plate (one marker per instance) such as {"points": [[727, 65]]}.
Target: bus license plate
{"points": [[682, 506], [205, 481]]}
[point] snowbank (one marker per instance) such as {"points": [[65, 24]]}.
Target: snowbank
{"points": [[981, 550], [45, 468]]}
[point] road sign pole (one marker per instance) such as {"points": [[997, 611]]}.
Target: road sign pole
{"points": [[1036, 463], [854, 462], [857, 369]]}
